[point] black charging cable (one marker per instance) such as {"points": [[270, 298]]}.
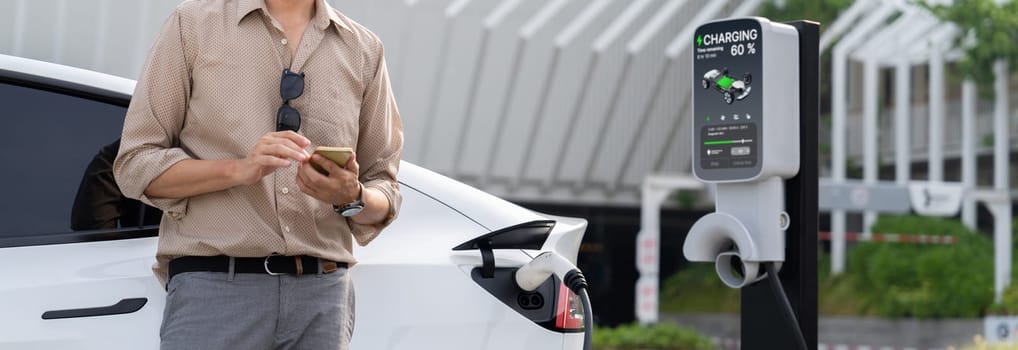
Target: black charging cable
{"points": [[532, 274], [779, 292], [575, 281]]}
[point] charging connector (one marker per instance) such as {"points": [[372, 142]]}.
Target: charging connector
{"points": [[535, 272], [531, 275]]}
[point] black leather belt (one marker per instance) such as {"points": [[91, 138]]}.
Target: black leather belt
{"points": [[270, 265]]}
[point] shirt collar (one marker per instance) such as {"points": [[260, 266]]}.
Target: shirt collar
{"points": [[245, 7], [324, 14]]}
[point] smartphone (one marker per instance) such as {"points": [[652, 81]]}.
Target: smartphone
{"points": [[338, 155]]}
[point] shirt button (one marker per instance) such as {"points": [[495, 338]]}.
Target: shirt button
{"points": [[286, 190], [283, 41], [287, 229]]}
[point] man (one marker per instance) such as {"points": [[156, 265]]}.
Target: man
{"points": [[255, 244]]}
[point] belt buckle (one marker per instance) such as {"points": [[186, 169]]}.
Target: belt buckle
{"points": [[266, 265]]}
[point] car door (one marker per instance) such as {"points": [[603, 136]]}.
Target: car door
{"points": [[75, 256]]}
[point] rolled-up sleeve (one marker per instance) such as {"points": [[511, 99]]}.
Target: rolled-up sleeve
{"points": [[149, 143], [379, 145]]}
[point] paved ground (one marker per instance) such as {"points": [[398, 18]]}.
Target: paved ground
{"points": [[851, 333]]}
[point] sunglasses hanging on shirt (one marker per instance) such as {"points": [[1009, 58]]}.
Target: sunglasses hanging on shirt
{"points": [[291, 86]]}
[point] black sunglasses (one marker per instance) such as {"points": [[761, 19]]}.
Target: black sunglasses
{"points": [[291, 86]]}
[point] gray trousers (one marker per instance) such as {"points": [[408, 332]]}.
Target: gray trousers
{"points": [[211, 310]]}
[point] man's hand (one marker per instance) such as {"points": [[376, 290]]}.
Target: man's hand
{"points": [[338, 187], [273, 151], [192, 177]]}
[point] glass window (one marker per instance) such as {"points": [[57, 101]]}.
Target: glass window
{"points": [[57, 156]]}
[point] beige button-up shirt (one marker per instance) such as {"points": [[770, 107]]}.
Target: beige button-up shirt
{"points": [[210, 90]]}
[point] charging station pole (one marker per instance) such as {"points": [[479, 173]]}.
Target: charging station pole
{"points": [[799, 271], [755, 138]]}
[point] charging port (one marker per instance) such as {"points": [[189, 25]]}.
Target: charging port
{"points": [[538, 306], [530, 300]]}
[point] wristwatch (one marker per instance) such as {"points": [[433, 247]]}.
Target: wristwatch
{"points": [[352, 208]]}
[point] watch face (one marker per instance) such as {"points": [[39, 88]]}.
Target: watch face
{"points": [[352, 210]]}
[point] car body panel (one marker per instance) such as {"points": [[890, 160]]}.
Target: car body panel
{"points": [[437, 307], [486, 209], [400, 283], [424, 235], [67, 74], [80, 275], [492, 212]]}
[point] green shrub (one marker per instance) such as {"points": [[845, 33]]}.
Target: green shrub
{"points": [[697, 288], [661, 336], [914, 224], [882, 278], [1009, 302], [838, 295], [924, 281]]}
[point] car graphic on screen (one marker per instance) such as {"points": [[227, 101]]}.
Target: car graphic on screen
{"points": [[732, 90]]}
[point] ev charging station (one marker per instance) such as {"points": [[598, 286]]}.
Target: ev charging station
{"points": [[755, 109]]}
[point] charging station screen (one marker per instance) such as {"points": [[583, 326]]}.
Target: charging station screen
{"points": [[727, 100]]}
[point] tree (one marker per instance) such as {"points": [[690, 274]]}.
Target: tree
{"points": [[989, 32]]}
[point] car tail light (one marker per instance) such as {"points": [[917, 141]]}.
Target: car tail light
{"points": [[568, 310]]}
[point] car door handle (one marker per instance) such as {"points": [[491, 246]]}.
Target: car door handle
{"points": [[124, 306]]}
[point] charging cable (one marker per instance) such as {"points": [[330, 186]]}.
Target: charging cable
{"points": [[535, 272], [779, 292]]}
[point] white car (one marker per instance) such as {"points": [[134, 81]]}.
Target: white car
{"points": [[423, 284]]}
